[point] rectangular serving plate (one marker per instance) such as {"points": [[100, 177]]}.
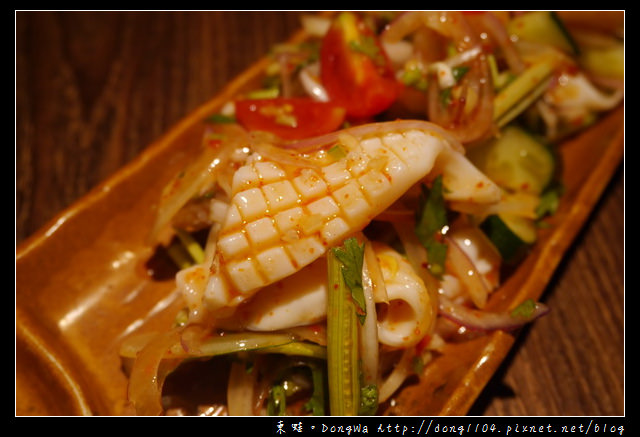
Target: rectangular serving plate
{"points": [[81, 283]]}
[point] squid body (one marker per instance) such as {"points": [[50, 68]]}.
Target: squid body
{"points": [[281, 219]]}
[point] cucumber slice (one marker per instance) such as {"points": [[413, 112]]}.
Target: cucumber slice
{"points": [[524, 228], [510, 234], [516, 161], [606, 61], [543, 27]]}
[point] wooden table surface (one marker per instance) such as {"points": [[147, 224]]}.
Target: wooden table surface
{"points": [[95, 88]]}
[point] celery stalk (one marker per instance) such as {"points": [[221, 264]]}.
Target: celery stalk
{"points": [[211, 346], [191, 245], [179, 256], [524, 103], [342, 344], [529, 84], [298, 348]]}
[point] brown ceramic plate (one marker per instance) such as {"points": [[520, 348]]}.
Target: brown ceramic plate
{"points": [[81, 284]]}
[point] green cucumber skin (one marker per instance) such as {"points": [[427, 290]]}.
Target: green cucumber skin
{"points": [[545, 27], [510, 246], [516, 161], [575, 50]]}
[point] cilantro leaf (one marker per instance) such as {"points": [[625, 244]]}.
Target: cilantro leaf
{"points": [[549, 201], [277, 402], [352, 258], [316, 402], [368, 400], [524, 310], [431, 220], [459, 72]]}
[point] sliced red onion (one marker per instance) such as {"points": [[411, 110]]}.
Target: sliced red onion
{"points": [[466, 125], [404, 24], [191, 338], [466, 272], [309, 78], [489, 321], [147, 376], [497, 30]]}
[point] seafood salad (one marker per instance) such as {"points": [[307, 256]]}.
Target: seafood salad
{"points": [[357, 209]]}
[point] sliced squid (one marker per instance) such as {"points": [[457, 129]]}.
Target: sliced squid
{"points": [[404, 317], [284, 217], [297, 300]]}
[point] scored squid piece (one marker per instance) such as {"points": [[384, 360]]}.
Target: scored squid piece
{"points": [[282, 218], [301, 299]]}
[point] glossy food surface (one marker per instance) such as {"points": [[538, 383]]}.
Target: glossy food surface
{"points": [[91, 102]]}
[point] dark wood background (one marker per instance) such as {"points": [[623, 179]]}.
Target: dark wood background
{"points": [[95, 88]]}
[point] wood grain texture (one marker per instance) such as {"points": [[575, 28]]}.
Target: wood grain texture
{"points": [[93, 89]]}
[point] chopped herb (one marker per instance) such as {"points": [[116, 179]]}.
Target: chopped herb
{"points": [[213, 138], [287, 120], [367, 46], [417, 364], [445, 96], [277, 403], [437, 253], [431, 222], [281, 114], [540, 224], [273, 80], [221, 118], [549, 201], [181, 318], [266, 93], [414, 77], [524, 310], [337, 152], [368, 400], [316, 403], [351, 257], [459, 72]]}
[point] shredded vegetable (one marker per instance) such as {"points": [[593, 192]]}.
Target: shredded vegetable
{"points": [[348, 220]]}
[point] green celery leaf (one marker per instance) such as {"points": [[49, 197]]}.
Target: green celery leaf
{"points": [[432, 219], [352, 258]]}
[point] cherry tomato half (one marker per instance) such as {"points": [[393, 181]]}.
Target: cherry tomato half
{"points": [[292, 118], [355, 70]]}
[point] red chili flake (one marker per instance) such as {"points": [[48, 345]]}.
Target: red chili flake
{"points": [[214, 143]]}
